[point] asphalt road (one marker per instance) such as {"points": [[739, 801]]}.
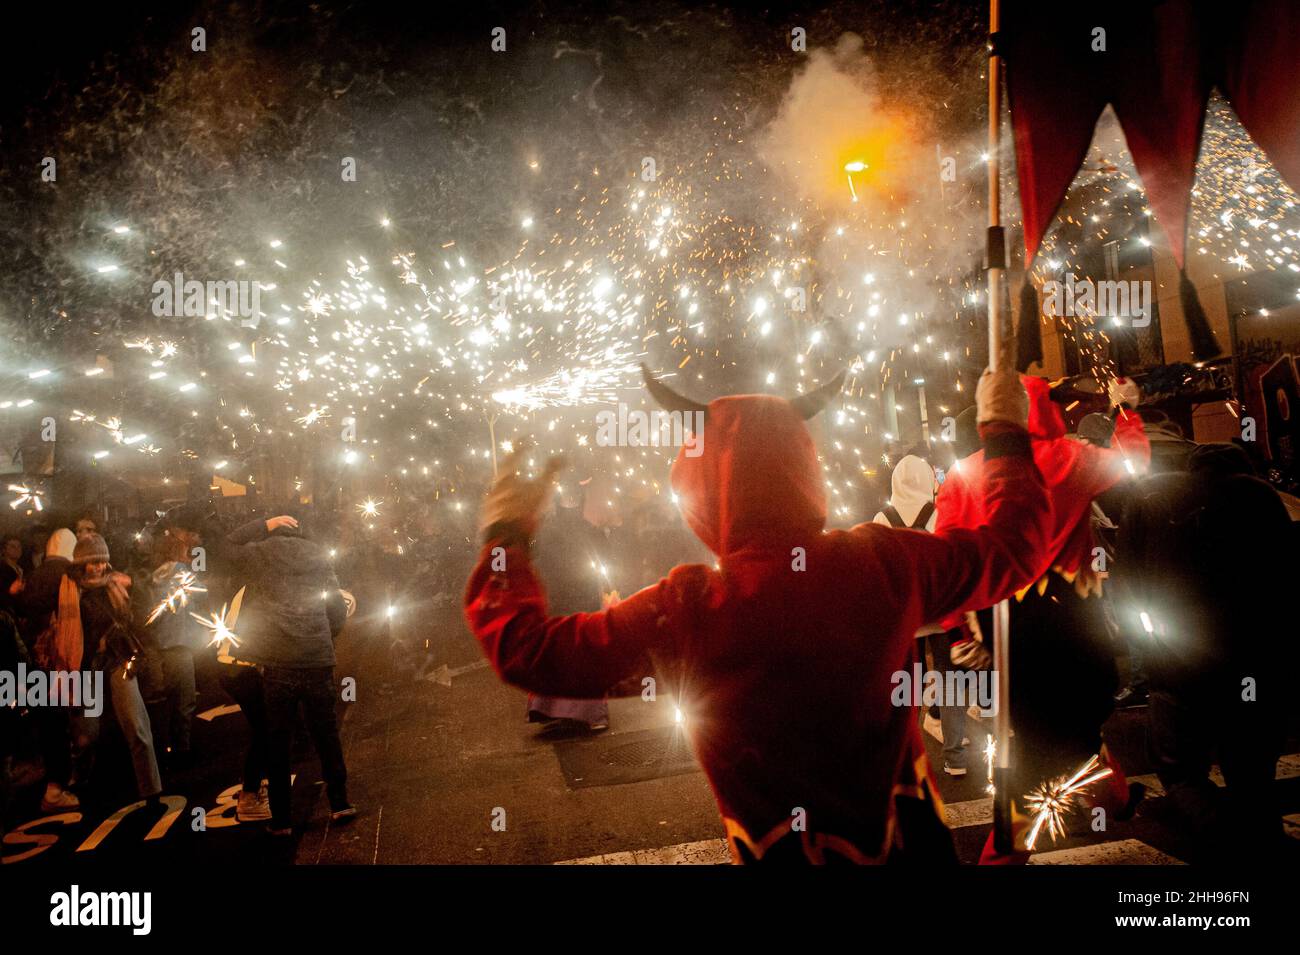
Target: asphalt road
{"points": [[445, 769]]}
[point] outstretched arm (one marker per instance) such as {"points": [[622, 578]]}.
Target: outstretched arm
{"points": [[968, 568], [580, 655]]}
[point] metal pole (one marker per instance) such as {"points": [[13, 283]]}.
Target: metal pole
{"points": [[995, 255], [925, 415]]}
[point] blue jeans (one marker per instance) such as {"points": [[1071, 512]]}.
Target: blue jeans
{"points": [[952, 719], [133, 718]]}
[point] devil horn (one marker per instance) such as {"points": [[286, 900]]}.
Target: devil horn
{"points": [[813, 402], [668, 399]]}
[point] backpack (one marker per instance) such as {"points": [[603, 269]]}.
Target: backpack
{"points": [[922, 516]]}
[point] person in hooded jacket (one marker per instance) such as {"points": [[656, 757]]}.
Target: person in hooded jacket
{"points": [[294, 610], [785, 654], [911, 504], [56, 727], [1207, 564], [911, 501], [1061, 655]]}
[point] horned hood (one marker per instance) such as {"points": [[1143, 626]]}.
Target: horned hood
{"points": [[756, 481], [1045, 419]]}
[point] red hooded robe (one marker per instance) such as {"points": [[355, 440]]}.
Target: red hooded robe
{"points": [[784, 674], [1074, 472]]}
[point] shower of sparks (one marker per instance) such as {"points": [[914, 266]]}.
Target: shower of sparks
{"points": [[369, 507], [181, 587], [570, 388], [990, 753], [416, 345], [1053, 801]]}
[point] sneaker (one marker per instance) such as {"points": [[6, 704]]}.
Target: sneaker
{"points": [[932, 726], [952, 770], [347, 812], [1130, 697], [58, 799], [253, 807], [1136, 793]]}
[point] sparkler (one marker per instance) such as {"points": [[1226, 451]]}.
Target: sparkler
{"points": [[26, 495], [219, 625], [369, 507], [1053, 801], [183, 585]]}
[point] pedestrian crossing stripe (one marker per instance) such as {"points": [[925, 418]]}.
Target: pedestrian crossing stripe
{"points": [[705, 852], [961, 815], [1118, 852], [714, 852]]}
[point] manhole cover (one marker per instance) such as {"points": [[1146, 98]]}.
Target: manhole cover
{"points": [[625, 758], [646, 752]]}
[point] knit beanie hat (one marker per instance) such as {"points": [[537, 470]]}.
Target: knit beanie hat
{"points": [[90, 549]]}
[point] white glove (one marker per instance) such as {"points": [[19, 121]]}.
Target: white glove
{"points": [[1123, 391], [1000, 396], [970, 655], [517, 501]]}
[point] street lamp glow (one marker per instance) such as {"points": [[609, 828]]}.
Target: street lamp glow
{"points": [[850, 168]]}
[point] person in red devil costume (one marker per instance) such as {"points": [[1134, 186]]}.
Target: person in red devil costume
{"points": [[783, 656], [1062, 662]]}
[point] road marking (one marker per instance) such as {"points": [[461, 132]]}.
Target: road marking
{"points": [[960, 815], [707, 852], [444, 674], [212, 714], [972, 812]]}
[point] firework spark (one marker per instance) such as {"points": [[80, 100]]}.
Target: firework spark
{"points": [[26, 495], [219, 626], [311, 417], [1053, 801], [183, 585]]}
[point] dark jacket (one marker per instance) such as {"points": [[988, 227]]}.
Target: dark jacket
{"points": [[1207, 555], [111, 637], [40, 597], [7, 576], [291, 609]]}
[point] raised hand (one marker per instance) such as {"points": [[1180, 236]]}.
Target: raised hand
{"points": [[516, 501]]}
